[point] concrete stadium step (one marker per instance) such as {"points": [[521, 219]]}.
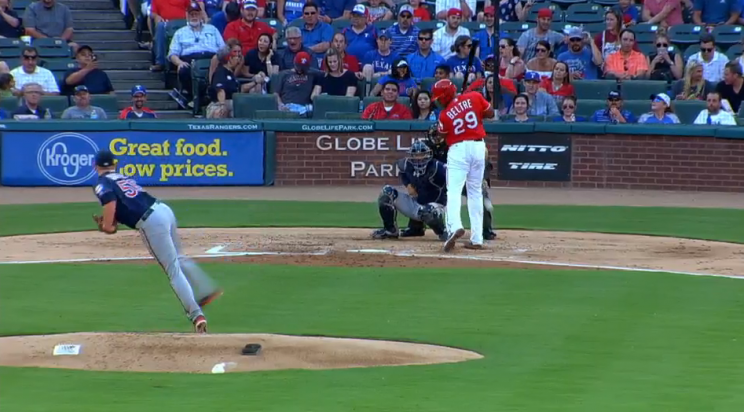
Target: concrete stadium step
{"points": [[127, 84], [90, 5], [112, 45], [158, 95], [123, 55], [100, 24], [129, 65], [83, 36], [139, 75], [174, 114], [88, 15]]}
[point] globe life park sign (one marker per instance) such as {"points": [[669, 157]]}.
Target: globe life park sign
{"points": [[373, 151]]}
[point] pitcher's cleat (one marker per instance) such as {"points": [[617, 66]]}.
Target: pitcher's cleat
{"points": [[209, 298], [200, 324]]}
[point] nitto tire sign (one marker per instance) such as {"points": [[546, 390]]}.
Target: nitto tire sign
{"points": [[67, 158], [539, 158]]}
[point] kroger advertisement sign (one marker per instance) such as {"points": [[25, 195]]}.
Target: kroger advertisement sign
{"points": [[153, 158]]}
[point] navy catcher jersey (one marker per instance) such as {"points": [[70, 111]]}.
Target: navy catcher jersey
{"points": [[132, 201], [431, 186]]}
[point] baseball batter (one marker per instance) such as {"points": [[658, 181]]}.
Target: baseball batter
{"points": [[461, 122], [425, 181], [124, 201]]}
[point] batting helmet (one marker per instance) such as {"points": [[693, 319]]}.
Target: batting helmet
{"points": [[443, 92]]}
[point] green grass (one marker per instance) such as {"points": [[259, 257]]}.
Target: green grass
{"points": [[720, 224], [552, 340]]}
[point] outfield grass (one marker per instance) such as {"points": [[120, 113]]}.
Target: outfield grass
{"points": [[553, 340]]}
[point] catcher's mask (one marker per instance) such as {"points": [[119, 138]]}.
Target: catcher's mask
{"points": [[419, 155]]}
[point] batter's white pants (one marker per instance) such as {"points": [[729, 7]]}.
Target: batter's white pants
{"points": [[466, 163]]}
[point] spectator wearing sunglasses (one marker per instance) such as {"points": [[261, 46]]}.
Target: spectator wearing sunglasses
{"points": [[404, 32], [316, 34], [424, 61], [30, 72], [665, 64], [458, 63], [626, 63], [568, 108], [542, 63], [713, 62], [583, 57], [661, 111], [614, 113]]}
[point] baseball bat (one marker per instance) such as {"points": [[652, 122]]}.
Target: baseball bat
{"points": [[471, 59]]}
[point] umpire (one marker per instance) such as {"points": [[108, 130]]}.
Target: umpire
{"points": [[439, 151]]}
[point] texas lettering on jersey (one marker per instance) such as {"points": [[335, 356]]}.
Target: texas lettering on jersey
{"points": [[463, 118]]}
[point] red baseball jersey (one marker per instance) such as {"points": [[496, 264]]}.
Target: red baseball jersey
{"points": [[463, 118]]}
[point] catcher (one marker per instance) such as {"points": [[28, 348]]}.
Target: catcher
{"points": [[439, 151], [124, 201], [425, 182]]}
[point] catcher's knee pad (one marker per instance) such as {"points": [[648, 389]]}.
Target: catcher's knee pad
{"points": [[388, 194], [433, 215]]}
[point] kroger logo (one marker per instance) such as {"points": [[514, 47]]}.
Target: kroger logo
{"points": [[67, 158]]}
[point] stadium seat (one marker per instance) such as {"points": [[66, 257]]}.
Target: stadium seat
{"points": [[297, 23], [647, 48], [275, 24], [10, 53], [107, 102], [324, 103], [645, 28], [557, 12], [566, 3], [606, 2], [245, 105], [50, 52], [642, 89], [587, 108], [59, 65], [55, 104], [383, 25], [688, 110], [474, 26], [342, 116], [277, 114], [13, 62], [371, 99], [199, 82], [727, 34], [593, 89], [432, 25], [11, 44], [339, 24], [50, 42], [515, 28], [646, 37], [734, 51], [9, 104], [638, 107], [585, 13], [20, 6], [685, 33]]}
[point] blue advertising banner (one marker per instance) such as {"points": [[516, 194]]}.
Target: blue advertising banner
{"points": [[154, 158]]}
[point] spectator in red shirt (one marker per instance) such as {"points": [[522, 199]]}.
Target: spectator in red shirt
{"points": [[420, 13], [248, 29], [163, 11], [350, 62], [388, 108], [559, 85], [138, 110]]}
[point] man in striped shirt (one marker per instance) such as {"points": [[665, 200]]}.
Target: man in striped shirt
{"points": [[404, 33]]}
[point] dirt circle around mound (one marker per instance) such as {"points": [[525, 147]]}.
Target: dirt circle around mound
{"points": [[168, 352], [192, 353]]}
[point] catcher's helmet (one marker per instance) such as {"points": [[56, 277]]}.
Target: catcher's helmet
{"points": [[443, 92], [419, 155]]}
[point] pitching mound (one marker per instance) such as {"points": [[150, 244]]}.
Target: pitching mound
{"points": [[169, 352], [355, 248]]}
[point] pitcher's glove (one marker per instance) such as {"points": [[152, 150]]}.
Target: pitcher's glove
{"points": [[99, 223]]}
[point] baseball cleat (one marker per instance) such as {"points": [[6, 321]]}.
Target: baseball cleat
{"points": [[408, 232], [200, 324], [210, 298], [489, 235], [473, 246], [452, 239], [384, 234]]}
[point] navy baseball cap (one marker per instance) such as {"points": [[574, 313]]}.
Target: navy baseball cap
{"points": [[81, 88], [613, 95], [105, 158], [139, 89]]}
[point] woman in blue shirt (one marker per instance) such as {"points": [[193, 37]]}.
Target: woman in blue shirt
{"points": [[401, 74], [661, 111], [458, 63], [568, 108]]}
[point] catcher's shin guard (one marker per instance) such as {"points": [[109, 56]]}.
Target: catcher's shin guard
{"points": [[388, 212], [415, 228], [433, 215]]}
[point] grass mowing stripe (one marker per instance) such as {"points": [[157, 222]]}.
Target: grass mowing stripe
{"points": [[712, 224]]}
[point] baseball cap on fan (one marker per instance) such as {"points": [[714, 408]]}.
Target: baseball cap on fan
{"points": [[104, 158], [138, 89], [302, 59], [359, 9], [193, 6], [454, 12], [662, 97], [574, 32], [543, 13], [405, 8], [250, 4]]}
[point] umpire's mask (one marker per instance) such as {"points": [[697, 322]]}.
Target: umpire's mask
{"points": [[419, 155]]}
